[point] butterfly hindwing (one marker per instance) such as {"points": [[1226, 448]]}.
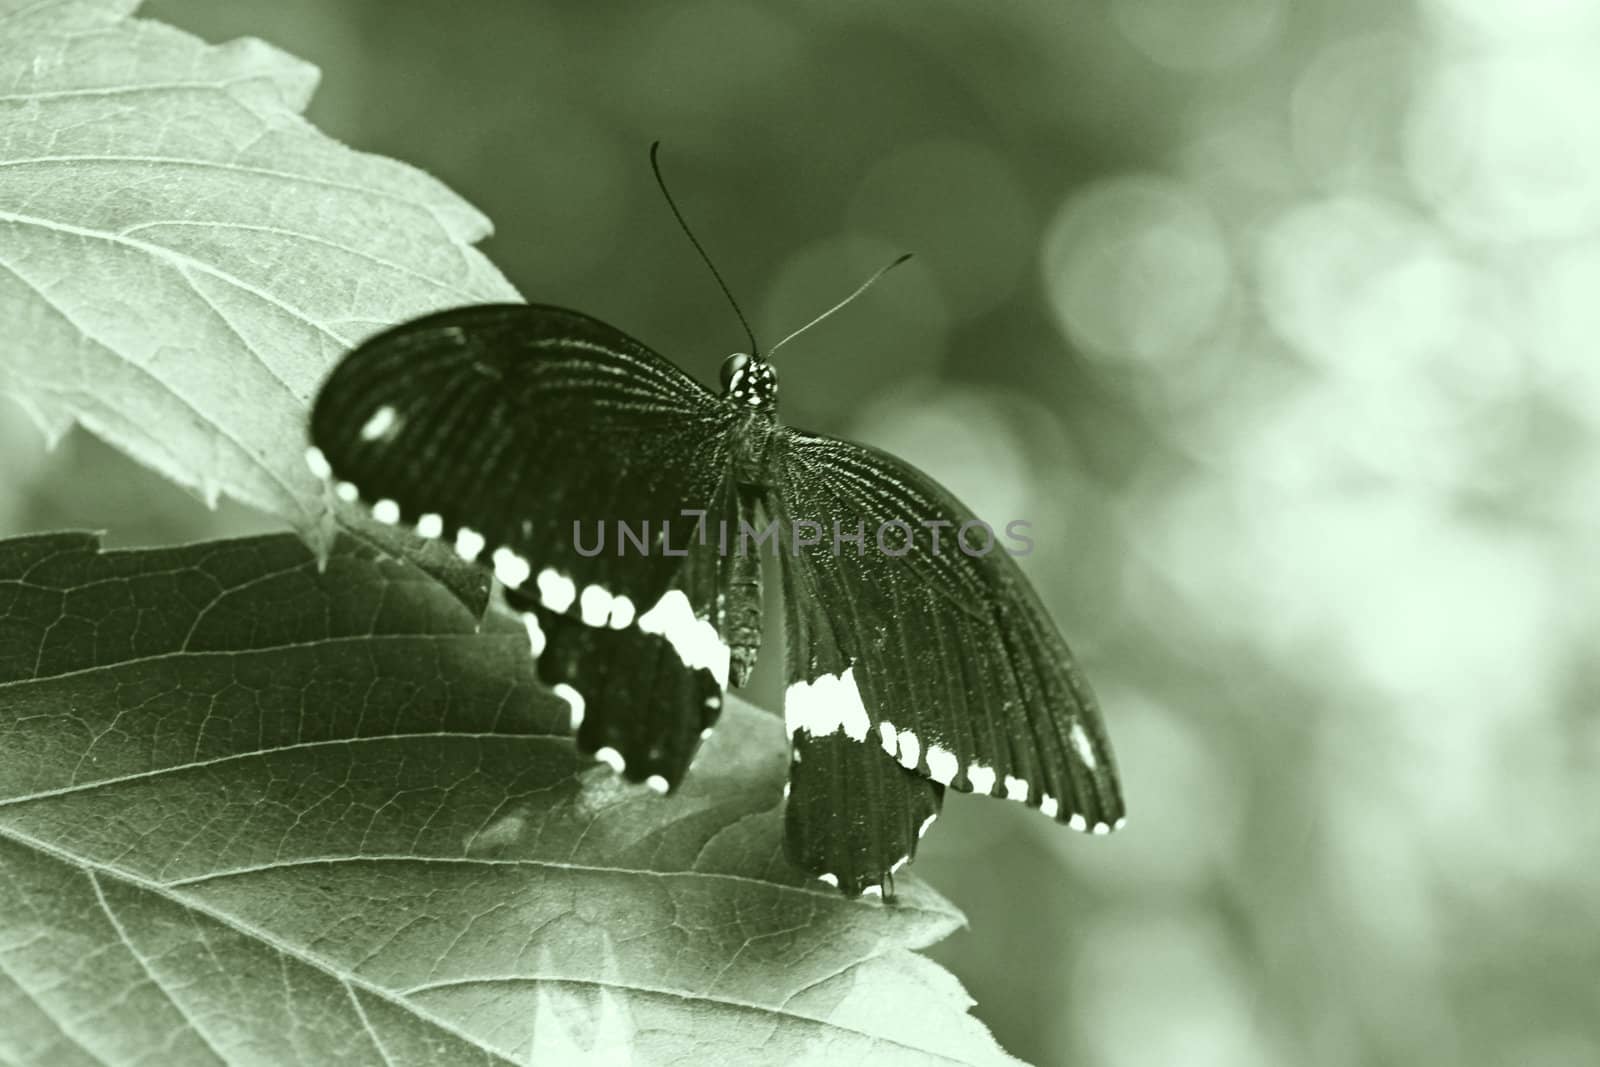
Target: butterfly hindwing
{"points": [[635, 705], [644, 695], [853, 815], [954, 668]]}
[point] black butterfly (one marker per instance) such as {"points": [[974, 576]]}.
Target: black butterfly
{"points": [[516, 432]]}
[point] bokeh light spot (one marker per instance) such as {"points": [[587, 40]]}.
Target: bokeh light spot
{"points": [[1136, 269], [1347, 128], [1196, 35], [1159, 988], [1515, 23], [1564, 321], [1360, 286], [1508, 148]]}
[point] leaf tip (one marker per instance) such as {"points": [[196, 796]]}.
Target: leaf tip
{"points": [[293, 80]]}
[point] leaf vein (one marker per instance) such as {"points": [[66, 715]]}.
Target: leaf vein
{"points": [[157, 772], [727, 1001], [249, 930], [149, 971]]}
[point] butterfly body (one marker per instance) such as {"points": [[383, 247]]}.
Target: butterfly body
{"points": [[510, 430]]}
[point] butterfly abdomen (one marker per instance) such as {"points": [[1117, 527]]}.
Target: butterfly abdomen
{"points": [[742, 613]]}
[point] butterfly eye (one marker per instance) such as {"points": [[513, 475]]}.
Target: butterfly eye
{"points": [[732, 365]]}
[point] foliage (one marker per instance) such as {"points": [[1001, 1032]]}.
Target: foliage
{"points": [[185, 255], [258, 810], [265, 804]]}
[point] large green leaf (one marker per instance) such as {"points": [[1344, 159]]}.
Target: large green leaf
{"points": [[182, 256], [254, 812]]}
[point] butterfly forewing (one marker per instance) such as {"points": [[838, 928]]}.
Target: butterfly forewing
{"points": [[959, 673], [524, 435], [512, 423]]}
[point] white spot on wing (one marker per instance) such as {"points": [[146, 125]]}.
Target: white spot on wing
{"points": [[1101, 828], [318, 462], [430, 525], [611, 758], [510, 568], [383, 424], [1122, 820], [536, 637], [981, 777], [901, 862], [657, 784], [347, 492], [910, 750], [1078, 823], [1049, 805], [621, 613], [925, 824], [886, 731], [696, 641], [1016, 788], [576, 702], [831, 879], [1081, 745], [872, 891], [469, 543], [595, 603], [556, 591], [828, 704], [942, 764], [386, 512]]}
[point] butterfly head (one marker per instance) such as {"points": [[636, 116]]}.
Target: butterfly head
{"points": [[750, 382]]}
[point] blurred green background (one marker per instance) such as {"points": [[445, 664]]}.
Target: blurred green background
{"points": [[1276, 319]]}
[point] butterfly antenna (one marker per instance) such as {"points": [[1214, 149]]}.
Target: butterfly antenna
{"points": [[863, 287], [655, 165]]}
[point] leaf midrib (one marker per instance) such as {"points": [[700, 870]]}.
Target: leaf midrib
{"points": [[240, 168], [179, 259], [208, 653]]}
